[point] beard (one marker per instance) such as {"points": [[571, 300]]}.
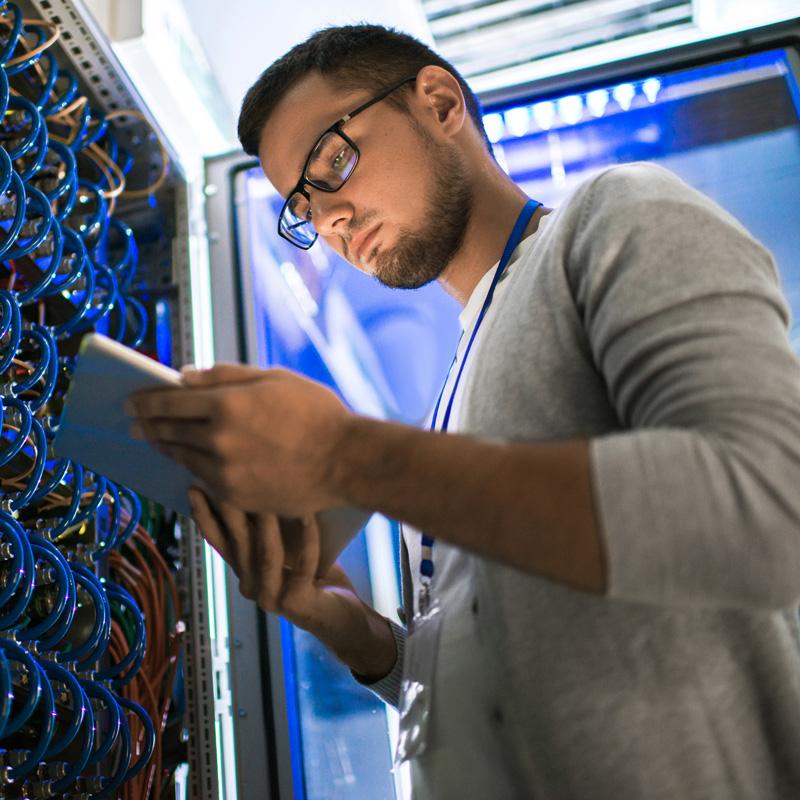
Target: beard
{"points": [[422, 256]]}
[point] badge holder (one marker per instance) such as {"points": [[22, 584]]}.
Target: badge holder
{"points": [[416, 690]]}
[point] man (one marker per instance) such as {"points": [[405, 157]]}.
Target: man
{"points": [[614, 511]]}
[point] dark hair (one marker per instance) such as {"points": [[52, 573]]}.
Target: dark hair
{"points": [[359, 57]]}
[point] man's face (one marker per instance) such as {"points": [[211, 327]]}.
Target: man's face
{"points": [[402, 214]]}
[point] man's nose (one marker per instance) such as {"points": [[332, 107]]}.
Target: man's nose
{"points": [[331, 213]]}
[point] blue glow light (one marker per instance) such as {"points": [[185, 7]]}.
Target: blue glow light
{"points": [[518, 120], [544, 115], [596, 102], [624, 94], [495, 127], [570, 108], [651, 87]]}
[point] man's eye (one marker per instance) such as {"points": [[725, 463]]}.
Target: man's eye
{"points": [[340, 160]]}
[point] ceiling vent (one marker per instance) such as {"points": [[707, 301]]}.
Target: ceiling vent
{"points": [[496, 43]]}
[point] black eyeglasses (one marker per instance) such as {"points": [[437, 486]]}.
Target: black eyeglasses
{"points": [[328, 166]]}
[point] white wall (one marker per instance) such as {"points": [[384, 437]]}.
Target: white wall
{"points": [[242, 37]]}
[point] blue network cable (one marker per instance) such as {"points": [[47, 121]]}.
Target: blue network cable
{"points": [[112, 524], [132, 661], [65, 589], [68, 519], [50, 375], [58, 470], [70, 266], [141, 319], [11, 326], [112, 783], [69, 730], [17, 540], [96, 642], [135, 515], [14, 652], [48, 274], [6, 695], [48, 726], [65, 98], [125, 264], [13, 36], [22, 432], [150, 736], [49, 83], [27, 62], [66, 329], [37, 202], [74, 771], [13, 183], [39, 337], [98, 692], [97, 498], [40, 459], [13, 613], [77, 265]]}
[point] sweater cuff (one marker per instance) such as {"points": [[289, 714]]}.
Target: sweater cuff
{"points": [[388, 687]]}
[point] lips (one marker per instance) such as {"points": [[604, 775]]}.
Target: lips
{"points": [[361, 244]]}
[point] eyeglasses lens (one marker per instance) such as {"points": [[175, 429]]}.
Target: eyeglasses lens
{"points": [[295, 222], [331, 163]]}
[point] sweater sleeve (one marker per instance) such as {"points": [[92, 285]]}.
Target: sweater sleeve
{"points": [[697, 495], [388, 687]]}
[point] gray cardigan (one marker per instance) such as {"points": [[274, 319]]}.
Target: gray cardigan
{"points": [[648, 320]]}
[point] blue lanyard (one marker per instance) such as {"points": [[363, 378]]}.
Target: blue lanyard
{"points": [[426, 564]]}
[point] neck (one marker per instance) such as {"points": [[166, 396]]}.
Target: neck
{"points": [[497, 202]]}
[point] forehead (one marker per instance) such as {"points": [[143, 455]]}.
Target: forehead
{"points": [[308, 108]]}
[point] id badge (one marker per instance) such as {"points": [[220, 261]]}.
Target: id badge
{"points": [[416, 689]]}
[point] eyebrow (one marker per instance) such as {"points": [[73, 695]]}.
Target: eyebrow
{"points": [[302, 164]]}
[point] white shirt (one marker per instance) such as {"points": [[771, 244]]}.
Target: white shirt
{"points": [[441, 771]]}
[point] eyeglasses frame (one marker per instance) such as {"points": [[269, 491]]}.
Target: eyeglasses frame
{"points": [[336, 128]]}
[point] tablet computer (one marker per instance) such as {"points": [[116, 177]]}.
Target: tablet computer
{"points": [[95, 431]]}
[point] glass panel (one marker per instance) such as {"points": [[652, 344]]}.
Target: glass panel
{"points": [[730, 129], [321, 317]]}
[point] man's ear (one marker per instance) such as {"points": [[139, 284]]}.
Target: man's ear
{"points": [[442, 101]]}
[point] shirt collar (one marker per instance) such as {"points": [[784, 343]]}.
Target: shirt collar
{"points": [[469, 314]]}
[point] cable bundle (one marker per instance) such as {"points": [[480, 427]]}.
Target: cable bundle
{"points": [[90, 619]]}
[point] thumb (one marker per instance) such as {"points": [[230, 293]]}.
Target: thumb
{"points": [[220, 374]]}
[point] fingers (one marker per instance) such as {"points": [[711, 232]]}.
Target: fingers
{"points": [[208, 524], [269, 561], [196, 461], [175, 403], [308, 560], [232, 534], [220, 374], [161, 431]]}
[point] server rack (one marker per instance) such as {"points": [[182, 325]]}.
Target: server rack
{"points": [[102, 79]]}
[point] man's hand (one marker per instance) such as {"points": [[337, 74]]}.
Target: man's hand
{"points": [[259, 439], [277, 561]]}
